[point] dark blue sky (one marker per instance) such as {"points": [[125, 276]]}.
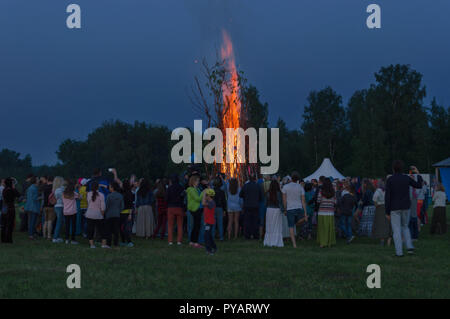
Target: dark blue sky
{"points": [[134, 59]]}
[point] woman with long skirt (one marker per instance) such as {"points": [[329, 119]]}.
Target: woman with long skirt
{"points": [[368, 209], [381, 225], [274, 217], [145, 222], [326, 234]]}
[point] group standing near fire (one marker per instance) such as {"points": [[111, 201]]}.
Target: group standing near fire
{"points": [[110, 211]]}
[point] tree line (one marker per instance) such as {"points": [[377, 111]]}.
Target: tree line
{"points": [[386, 121]]}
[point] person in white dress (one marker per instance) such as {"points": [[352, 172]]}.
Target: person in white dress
{"points": [[274, 216]]}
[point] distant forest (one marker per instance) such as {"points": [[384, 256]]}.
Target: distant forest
{"points": [[386, 121]]}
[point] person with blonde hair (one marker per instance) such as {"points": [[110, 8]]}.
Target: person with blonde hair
{"points": [[48, 210], [58, 189], [439, 220], [234, 207]]}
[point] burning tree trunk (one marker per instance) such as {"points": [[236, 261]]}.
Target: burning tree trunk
{"points": [[224, 106]]}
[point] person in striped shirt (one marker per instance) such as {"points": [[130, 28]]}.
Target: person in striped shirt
{"points": [[326, 235]]}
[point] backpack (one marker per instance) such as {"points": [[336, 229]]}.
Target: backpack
{"points": [[52, 199]]}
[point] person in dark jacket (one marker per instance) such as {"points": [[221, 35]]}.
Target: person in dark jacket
{"points": [[397, 204], [175, 202], [114, 206], [251, 193], [23, 216], [126, 214], [347, 207], [10, 195], [221, 207]]}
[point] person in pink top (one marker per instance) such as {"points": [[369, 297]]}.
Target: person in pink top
{"points": [[95, 215], [70, 211]]}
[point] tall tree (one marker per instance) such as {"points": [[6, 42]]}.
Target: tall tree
{"points": [[398, 96], [11, 164], [439, 119], [292, 151], [368, 153], [140, 149], [257, 112], [324, 125]]}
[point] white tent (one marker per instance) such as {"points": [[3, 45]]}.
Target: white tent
{"points": [[326, 169]]}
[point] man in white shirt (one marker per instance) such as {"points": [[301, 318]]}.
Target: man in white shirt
{"points": [[294, 204]]}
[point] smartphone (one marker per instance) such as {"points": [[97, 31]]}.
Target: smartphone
{"points": [[110, 170]]}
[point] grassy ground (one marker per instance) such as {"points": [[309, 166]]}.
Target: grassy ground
{"points": [[240, 269]]}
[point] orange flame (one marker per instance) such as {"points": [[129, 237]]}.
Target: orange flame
{"points": [[231, 112]]}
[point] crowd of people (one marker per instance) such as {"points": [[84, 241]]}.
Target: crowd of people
{"points": [[275, 210]]}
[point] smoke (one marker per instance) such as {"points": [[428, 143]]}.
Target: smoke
{"points": [[212, 16]]}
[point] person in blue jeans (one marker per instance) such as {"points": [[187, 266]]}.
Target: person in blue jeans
{"points": [[221, 206], [348, 207], [32, 206], [58, 189]]}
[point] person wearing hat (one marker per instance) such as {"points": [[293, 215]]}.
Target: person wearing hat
{"points": [[209, 207]]}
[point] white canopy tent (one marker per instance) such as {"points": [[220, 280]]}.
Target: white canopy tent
{"points": [[326, 169]]}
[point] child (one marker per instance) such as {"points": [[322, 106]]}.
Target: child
{"points": [[70, 211], [209, 207]]}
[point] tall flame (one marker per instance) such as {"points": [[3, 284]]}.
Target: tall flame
{"points": [[231, 113]]}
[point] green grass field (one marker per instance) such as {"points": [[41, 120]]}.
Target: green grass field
{"points": [[240, 269]]}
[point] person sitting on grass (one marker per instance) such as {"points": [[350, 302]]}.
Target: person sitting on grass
{"points": [[209, 207]]}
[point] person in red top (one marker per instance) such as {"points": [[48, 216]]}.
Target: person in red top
{"points": [[209, 207]]}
